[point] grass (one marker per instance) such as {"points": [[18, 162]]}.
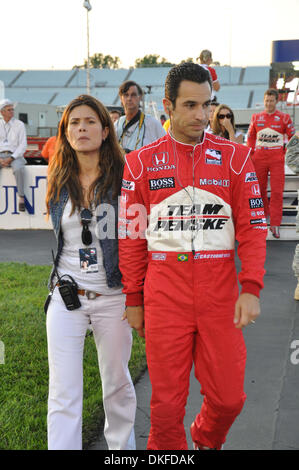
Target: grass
{"points": [[24, 373]]}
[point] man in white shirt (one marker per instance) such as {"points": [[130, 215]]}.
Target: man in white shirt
{"points": [[135, 129], [13, 144]]}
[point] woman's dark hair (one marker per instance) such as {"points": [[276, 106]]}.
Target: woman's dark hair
{"points": [[64, 166], [216, 126]]}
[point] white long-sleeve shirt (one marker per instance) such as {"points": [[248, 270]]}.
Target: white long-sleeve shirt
{"points": [[13, 137]]}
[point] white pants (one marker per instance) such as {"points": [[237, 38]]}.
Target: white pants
{"points": [[17, 165], [113, 337]]}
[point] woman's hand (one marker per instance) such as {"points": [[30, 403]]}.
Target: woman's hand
{"points": [[227, 124]]}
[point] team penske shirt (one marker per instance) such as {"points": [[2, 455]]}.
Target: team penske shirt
{"points": [[268, 130], [186, 200]]}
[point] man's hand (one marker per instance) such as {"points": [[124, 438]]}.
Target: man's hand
{"points": [[247, 309], [5, 162], [135, 317]]}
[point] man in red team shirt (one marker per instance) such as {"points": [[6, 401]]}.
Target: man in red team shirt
{"points": [[266, 139], [191, 195]]}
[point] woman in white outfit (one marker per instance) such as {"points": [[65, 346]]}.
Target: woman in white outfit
{"points": [[84, 182]]}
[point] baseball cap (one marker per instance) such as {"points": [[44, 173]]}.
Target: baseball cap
{"points": [[5, 102]]}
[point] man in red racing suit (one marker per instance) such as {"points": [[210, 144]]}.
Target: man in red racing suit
{"points": [[185, 199], [266, 139]]}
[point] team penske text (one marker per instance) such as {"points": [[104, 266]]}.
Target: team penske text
{"points": [[174, 218], [192, 217]]}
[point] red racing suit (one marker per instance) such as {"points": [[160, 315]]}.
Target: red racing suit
{"points": [[266, 139], [181, 209]]}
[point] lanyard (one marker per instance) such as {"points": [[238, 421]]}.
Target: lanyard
{"points": [[6, 133], [141, 120]]}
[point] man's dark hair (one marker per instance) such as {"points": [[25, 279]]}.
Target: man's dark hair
{"points": [[185, 71], [272, 92], [126, 85]]}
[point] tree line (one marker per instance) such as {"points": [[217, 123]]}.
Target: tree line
{"points": [[101, 61]]}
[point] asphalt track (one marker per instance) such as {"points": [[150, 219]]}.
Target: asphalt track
{"points": [[270, 417]]}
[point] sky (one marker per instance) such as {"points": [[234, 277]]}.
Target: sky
{"points": [[52, 34]]}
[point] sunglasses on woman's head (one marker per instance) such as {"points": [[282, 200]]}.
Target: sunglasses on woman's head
{"points": [[86, 235], [222, 116]]}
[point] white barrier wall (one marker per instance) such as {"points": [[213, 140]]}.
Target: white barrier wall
{"points": [[35, 193]]}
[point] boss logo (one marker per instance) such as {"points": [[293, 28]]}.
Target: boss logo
{"points": [[161, 183], [256, 203]]}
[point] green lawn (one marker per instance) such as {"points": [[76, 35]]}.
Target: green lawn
{"points": [[24, 373]]}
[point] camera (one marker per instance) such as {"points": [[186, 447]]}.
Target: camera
{"points": [[69, 294], [68, 290]]}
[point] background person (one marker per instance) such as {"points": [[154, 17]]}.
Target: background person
{"points": [[179, 272], [13, 145], [223, 124], [115, 114], [166, 125], [163, 119], [135, 129], [86, 174], [292, 160], [206, 60], [48, 149], [265, 137]]}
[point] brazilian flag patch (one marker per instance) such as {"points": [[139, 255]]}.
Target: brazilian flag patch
{"points": [[182, 257]]}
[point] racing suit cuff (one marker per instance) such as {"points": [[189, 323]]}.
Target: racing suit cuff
{"points": [[134, 299], [251, 288]]}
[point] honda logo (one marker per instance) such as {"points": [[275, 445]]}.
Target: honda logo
{"points": [[255, 189], [161, 158]]}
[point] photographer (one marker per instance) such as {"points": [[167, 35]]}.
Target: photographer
{"points": [[135, 129], [85, 175]]}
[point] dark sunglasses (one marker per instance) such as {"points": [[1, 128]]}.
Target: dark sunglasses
{"points": [[222, 116], [86, 235]]}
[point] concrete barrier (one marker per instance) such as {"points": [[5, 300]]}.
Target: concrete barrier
{"points": [[35, 193]]}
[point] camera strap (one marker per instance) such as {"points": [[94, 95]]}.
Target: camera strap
{"points": [[59, 279], [49, 297], [55, 272], [130, 123], [138, 117]]}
